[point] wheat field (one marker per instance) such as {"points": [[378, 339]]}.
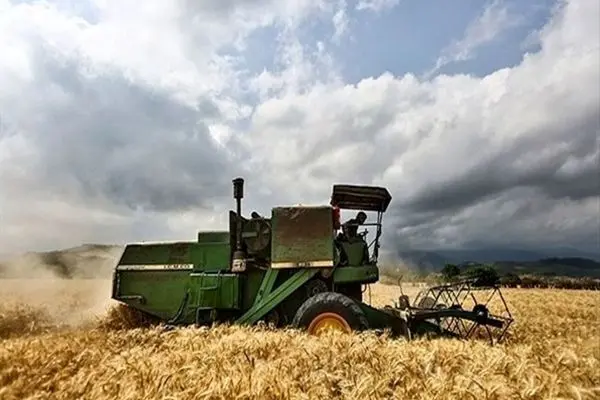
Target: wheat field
{"points": [[63, 339]]}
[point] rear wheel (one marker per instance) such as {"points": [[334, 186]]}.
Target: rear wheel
{"points": [[330, 311]]}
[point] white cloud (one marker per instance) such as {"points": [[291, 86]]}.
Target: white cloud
{"points": [[299, 68], [376, 5], [445, 145], [487, 27], [127, 122], [124, 110], [340, 22]]}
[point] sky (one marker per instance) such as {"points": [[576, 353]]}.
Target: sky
{"points": [[126, 121]]}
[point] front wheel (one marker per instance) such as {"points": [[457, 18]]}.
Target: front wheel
{"points": [[330, 311]]}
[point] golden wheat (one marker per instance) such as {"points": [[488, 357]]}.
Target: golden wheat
{"points": [[553, 353]]}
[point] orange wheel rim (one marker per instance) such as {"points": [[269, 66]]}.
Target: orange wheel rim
{"points": [[328, 322]]}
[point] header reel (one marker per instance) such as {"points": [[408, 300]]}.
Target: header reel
{"points": [[462, 310]]}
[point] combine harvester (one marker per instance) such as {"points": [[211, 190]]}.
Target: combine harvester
{"points": [[294, 269]]}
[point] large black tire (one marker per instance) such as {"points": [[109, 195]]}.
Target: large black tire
{"points": [[334, 304]]}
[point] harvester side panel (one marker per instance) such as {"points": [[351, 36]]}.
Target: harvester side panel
{"points": [[169, 294], [221, 291], [302, 237], [166, 279], [157, 292], [156, 253], [205, 256], [211, 256]]}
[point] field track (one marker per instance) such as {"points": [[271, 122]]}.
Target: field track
{"points": [[58, 342]]}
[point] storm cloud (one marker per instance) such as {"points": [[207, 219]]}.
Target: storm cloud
{"points": [[103, 136], [125, 123]]}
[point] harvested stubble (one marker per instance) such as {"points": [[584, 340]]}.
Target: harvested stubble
{"points": [[553, 353]]}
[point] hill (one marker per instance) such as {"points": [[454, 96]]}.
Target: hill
{"points": [[86, 261], [572, 267]]}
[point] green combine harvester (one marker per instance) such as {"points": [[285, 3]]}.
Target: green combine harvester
{"points": [[301, 267]]}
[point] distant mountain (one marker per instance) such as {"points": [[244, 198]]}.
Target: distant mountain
{"points": [[543, 259], [489, 255], [573, 267], [566, 252]]}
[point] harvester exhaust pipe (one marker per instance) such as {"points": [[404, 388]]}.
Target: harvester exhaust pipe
{"points": [[239, 258], [238, 195]]}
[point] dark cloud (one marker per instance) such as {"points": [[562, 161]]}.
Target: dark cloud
{"points": [[547, 203], [104, 135], [520, 218], [540, 160]]}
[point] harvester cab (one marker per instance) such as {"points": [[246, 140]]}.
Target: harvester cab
{"points": [[352, 246], [294, 268]]}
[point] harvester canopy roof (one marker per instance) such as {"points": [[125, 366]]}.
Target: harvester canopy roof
{"points": [[354, 197]]}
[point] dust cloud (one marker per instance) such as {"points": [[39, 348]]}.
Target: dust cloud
{"points": [[91, 261], [41, 292]]}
